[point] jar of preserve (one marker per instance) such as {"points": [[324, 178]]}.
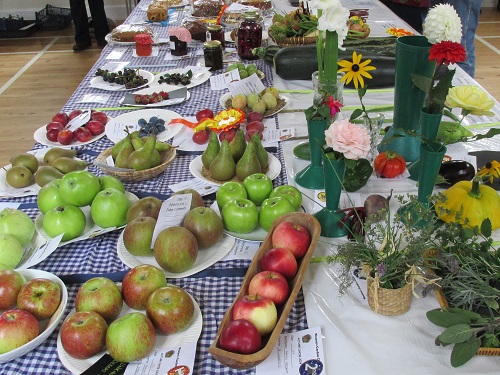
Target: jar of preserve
{"points": [[212, 51], [249, 35], [215, 32], [143, 44]]}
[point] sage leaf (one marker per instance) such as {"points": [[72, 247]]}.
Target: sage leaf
{"points": [[446, 319], [463, 352], [472, 315], [486, 227], [456, 334]]}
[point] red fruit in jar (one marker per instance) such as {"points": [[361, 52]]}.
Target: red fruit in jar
{"points": [[227, 135], [240, 336], [99, 116], [95, 127], [201, 137], [75, 113], [255, 125], [204, 113], [255, 116], [65, 137], [82, 134], [61, 117], [54, 125], [250, 133], [52, 135]]}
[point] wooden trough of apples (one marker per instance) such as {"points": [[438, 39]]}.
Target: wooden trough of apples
{"points": [[247, 361]]}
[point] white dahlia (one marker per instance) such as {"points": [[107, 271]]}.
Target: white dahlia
{"points": [[442, 23]]}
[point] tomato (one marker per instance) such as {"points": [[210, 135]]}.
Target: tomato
{"points": [[389, 164]]}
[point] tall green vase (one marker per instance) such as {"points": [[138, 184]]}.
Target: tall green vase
{"points": [[431, 157], [328, 217], [412, 57], [312, 176]]}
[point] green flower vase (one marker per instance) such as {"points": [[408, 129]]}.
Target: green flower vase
{"points": [[412, 57], [431, 157], [330, 220]]}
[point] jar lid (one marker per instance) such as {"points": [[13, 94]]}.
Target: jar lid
{"points": [[214, 27], [250, 15], [212, 44]]}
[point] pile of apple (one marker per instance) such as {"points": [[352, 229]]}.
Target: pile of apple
{"points": [[155, 308], [255, 313], [58, 132], [16, 231], [26, 303], [176, 248], [238, 203], [267, 100], [60, 201]]}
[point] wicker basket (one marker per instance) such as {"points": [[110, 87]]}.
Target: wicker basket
{"points": [[390, 302], [166, 159], [293, 41]]}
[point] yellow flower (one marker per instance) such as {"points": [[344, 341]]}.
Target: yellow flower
{"points": [[491, 170], [355, 70], [470, 98]]}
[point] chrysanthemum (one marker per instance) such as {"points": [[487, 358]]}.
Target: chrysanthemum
{"points": [[355, 70], [447, 53], [442, 23]]}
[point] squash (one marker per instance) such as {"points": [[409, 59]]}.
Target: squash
{"points": [[472, 201]]}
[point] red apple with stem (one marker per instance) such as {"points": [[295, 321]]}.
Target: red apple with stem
{"points": [[17, 327], [10, 284], [139, 283], [41, 297], [281, 260], [292, 236], [101, 295], [240, 336], [269, 284], [258, 310]]}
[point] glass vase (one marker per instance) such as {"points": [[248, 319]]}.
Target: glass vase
{"points": [[373, 123], [323, 89]]}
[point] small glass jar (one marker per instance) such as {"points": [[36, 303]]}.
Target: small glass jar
{"points": [[216, 32], [177, 47], [249, 35], [212, 51], [143, 45]]}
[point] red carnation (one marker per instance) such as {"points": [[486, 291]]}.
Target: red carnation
{"points": [[446, 52]]}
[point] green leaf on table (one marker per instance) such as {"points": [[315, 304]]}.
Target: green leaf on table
{"points": [[470, 314], [486, 227], [446, 319], [456, 334], [356, 113], [463, 352]]}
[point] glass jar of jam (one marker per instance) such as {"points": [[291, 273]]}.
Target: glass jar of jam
{"points": [[143, 45], [216, 32], [177, 47], [212, 51], [249, 35]]}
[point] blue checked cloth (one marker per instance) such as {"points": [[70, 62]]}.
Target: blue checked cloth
{"points": [[78, 261]]}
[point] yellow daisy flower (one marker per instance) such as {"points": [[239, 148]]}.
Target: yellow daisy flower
{"points": [[491, 170], [355, 70]]}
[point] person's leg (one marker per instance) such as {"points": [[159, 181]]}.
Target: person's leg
{"points": [[80, 20], [99, 20]]}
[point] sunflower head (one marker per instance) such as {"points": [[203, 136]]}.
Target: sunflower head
{"points": [[355, 70]]}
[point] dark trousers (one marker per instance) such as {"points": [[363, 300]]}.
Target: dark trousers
{"points": [[81, 21]]}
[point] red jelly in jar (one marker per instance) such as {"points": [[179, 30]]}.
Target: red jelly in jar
{"points": [[143, 45], [249, 35]]}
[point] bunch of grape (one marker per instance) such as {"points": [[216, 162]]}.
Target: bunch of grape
{"points": [[129, 77], [154, 125], [155, 97], [176, 78]]}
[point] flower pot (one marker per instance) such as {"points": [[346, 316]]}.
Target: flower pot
{"points": [[390, 302]]}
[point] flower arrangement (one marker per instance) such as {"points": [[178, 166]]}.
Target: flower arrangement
{"points": [[345, 140]]}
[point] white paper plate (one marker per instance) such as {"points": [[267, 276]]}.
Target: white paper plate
{"points": [[163, 103], [40, 137], [110, 40], [115, 128], [191, 334], [206, 257], [47, 326], [227, 95], [194, 81], [195, 167], [98, 83], [91, 228]]}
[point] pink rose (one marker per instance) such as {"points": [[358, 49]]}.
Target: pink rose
{"points": [[350, 139]]}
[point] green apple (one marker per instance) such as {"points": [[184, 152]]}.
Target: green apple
{"points": [[273, 208], [49, 197], [240, 216], [67, 219], [106, 182], [11, 252], [17, 224], [228, 191], [109, 208], [79, 188], [258, 187], [289, 192]]}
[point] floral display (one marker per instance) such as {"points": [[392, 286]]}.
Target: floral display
{"points": [[355, 70], [490, 170], [472, 99], [347, 140]]}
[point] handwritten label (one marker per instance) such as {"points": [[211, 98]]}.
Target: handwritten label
{"points": [[172, 213]]}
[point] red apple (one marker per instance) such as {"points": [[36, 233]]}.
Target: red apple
{"points": [[65, 137], [101, 295], [54, 125], [95, 127], [61, 117], [139, 283], [10, 285], [272, 285], [17, 327], [82, 134], [205, 224], [100, 117], [255, 125], [41, 297], [227, 135], [83, 334], [201, 137], [280, 260], [240, 336], [75, 113], [292, 236], [52, 135], [204, 113], [258, 310]]}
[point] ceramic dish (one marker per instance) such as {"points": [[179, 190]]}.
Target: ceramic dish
{"points": [[163, 103], [91, 228], [191, 334], [47, 326], [206, 257], [98, 83], [197, 79], [196, 165], [115, 128], [225, 98]]}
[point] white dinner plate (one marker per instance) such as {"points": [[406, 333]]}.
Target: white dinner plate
{"points": [[163, 103], [110, 40], [41, 137], [197, 80], [196, 165], [91, 228], [47, 326], [191, 334], [98, 83], [115, 128], [227, 95], [7, 191], [206, 257]]}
